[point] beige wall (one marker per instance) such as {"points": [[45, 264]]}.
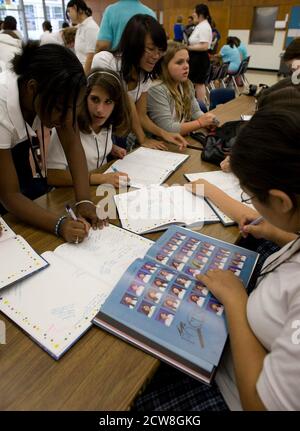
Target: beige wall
{"points": [[228, 14]]}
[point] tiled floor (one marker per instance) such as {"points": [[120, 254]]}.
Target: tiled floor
{"points": [[262, 77]]}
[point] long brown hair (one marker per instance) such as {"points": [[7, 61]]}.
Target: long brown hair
{"points": [[182, 100], [120, 118]]}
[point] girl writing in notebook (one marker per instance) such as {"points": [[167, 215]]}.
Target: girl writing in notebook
{"points": [[46, 85], [262, 370], [172, 104], [105, 110], [137, 60]]}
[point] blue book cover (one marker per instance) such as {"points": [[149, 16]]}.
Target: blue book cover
{"points": [[160, 306]]}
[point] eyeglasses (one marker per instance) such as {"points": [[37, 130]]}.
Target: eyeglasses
{"points": [[246, 199], [154, 51]]}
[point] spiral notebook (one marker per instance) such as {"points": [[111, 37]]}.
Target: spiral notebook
{"points": [[156, 208], [56, 306], [18, 260], [146, 166]]}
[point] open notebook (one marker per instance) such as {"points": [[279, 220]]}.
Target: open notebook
{"points": [[228, 183], [146, 166], [156, 208], [56, 306], [17, 259]]}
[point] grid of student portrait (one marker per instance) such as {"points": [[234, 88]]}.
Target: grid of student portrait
{"points": [[186, 253], [158, 292]]}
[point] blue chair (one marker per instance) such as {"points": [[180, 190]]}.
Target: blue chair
{"points": [[202, 106], [220, 96]]}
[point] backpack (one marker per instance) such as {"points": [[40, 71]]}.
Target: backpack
{"points": [[218, 143]]}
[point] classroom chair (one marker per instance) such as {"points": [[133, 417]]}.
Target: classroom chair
{"points": [[220, 95]]}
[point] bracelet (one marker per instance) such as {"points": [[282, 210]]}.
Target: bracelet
{"points": [[58, 224], [84, 201], [198, 121]]}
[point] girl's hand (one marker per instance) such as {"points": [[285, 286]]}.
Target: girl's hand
{"points": [[224, 285], [194, 187], [88, 212], [118, 152], [153, 143], [74, 231], [225, 165], [207, 120], [175, 138], [117, 179]]}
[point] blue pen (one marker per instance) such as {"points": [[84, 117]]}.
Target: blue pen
{"points": [[114, 169], [71, 212]]}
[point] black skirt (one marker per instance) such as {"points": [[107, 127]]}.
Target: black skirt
{"points": [[199, 65]]}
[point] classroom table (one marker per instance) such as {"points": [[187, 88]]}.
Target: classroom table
{"points": [[229, 111], [100, 372]]}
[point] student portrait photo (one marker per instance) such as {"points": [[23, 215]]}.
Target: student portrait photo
{"points": [[165, 317], [154, 295], [215, 307], [129, 300], [146, 308]]}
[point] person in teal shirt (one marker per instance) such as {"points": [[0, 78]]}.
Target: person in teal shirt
{"points": [[241, 47], [230, 54], [114, 20]]}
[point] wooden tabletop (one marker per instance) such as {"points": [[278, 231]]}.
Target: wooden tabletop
{"points": [[100, 372], [230, 111]]}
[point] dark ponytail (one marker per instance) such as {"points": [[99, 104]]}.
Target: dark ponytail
{"points": [[80, 6], [57, 71], [47, 26], [202, 9]]}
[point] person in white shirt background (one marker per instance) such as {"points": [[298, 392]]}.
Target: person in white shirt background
{"points": [[137, 60], [199, 44], [10, 23], [105, 109], [47, 36], [10, 45], [87, 30]]}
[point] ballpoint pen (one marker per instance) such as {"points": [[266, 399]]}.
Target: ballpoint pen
{"points": [[71, 212], [256, 221]]}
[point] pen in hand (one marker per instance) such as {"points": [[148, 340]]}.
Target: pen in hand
{"points": [[71, 212], [256, 221]]}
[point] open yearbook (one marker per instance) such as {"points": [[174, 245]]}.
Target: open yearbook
{"points": [[146, 166], [56, 306], [225, 181], [18, 260], [159, 306], [156, 208]]}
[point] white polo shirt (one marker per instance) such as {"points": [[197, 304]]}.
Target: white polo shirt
{"points": [[12, 123], [106, 60], [273, 312], [96, 148], [48, 37], [85, 39], [201, 33]]}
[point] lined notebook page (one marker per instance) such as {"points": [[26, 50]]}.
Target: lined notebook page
{"points": [[107, 253], [227, 182], [157, 207], [56, 306], [147, 166], [18, 260]]}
